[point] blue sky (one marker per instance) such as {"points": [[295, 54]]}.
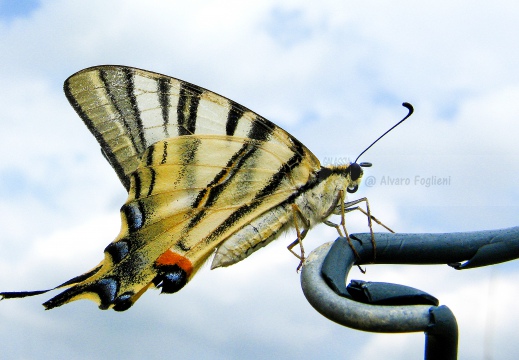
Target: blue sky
{"points": [[11, 9], [333, 74]]}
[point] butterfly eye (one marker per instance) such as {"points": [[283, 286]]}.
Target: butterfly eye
{"points": [[355, 171]]}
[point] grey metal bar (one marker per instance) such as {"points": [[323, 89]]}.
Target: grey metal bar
{"points": [[351, 313], [463, 250], [324, 274], [437, 322]]}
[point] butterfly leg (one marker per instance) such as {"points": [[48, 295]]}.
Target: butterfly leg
{"points": [[343, 209], [350, 206], [353, 208], [296, 212]]}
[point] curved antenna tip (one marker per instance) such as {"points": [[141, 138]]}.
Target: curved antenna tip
{"points": [[409, 107]]}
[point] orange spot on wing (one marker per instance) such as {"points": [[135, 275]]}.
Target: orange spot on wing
{"points": [[171, 258]]}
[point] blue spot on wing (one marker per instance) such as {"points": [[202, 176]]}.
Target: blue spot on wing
{"points": [[134, 213], [106, 289], [118, 250]]}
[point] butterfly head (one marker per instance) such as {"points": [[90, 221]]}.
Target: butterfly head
{"points": [[342, 177], [355, 173]]}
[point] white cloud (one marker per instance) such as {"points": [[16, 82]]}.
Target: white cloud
{"points": [[333, 74]]}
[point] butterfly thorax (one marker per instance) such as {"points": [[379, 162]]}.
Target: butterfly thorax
{"points": [[318, 202]]}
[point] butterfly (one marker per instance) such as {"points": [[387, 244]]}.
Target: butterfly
{"points": [[205, 176]]}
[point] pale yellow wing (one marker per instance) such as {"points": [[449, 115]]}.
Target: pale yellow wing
{"points": [[188, 195], [128, 110]]}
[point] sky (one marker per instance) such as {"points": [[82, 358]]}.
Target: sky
{"points": [[333, 74]]}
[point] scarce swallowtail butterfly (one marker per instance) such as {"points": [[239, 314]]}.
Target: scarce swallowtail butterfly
{"points": [[204, 176]]}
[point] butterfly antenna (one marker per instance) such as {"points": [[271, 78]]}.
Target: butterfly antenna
{"points": [[408, 107]]}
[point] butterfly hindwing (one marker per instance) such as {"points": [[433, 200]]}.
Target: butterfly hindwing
{"points": [[180, 209]]}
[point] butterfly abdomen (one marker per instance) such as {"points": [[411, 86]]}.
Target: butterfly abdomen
{"points": [[253, 236]]}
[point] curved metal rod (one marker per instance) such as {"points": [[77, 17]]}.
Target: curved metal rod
{"points": [[462, 250], [347, 312]]}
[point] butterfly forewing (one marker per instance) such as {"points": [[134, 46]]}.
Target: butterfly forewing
{"points": [[128, 109]]}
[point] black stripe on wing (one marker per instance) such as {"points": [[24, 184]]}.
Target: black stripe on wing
{"points": [[187, 109], [236, 111], [130, 92], [163, 88]]}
